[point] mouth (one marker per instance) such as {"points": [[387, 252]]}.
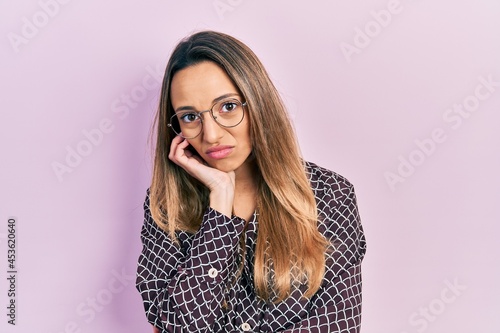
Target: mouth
{"points": [[219, 152]]}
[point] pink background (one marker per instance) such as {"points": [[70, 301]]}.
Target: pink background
{"points": [[367, 84]]}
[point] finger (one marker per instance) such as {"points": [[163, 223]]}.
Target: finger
{"points": [[173, 147], [184, 143], [180, 149], [200, 160], [173, 144], [177, 139]]}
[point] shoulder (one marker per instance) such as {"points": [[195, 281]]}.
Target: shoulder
{"points": [[327, 183], [335, 199], [150, 227], [338, 217]]}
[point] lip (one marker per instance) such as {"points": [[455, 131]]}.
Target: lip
{"points": [[219, 152]]}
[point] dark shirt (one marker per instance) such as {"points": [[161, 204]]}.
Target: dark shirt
{"points": [[196, 287]]}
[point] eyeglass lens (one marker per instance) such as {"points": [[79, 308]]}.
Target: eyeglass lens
{"points": [[227, 113]]}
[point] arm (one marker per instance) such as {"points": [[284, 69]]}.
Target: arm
{"points": [[185, 292], [183, 288], [336, 307]]}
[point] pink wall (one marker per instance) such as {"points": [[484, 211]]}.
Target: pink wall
{"points": [[401, 97]]}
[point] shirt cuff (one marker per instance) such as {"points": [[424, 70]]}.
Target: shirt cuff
{"points": [[214, 245]]}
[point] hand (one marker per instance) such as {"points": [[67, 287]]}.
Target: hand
{"points": [[196, 167], [221, 184], [156, 330]]}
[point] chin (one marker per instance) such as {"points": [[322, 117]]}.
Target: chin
{"points": [[226, 164]]}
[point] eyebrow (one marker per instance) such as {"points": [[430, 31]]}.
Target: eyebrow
{"points": [[215, 100]]}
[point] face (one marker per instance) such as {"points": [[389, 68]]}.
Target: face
{"points": [[197, 88]]}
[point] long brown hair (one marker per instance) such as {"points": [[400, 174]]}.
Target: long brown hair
{"points": [[289, 246]]}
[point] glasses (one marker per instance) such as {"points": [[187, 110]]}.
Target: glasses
{"points": [[227, 113]]}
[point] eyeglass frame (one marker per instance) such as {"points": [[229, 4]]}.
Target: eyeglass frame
{"points": [[211, 111]]}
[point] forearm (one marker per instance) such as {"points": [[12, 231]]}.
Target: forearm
{"points": [[221, 200], [188, 295]]}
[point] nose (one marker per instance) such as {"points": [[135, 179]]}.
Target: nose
{"points": [[212, 131]]}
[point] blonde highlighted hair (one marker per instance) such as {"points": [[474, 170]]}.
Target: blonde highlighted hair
{"points": [[289, 247]]}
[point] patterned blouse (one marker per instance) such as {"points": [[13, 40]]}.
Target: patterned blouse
{"points": [[184, 287]]}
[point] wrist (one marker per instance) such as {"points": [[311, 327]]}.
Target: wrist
{"points": [[221, 200]]}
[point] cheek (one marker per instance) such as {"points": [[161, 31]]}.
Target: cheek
{"points": [[244, 135], [194, 146]]}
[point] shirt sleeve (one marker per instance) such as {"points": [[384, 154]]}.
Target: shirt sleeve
{"points": [[336, 307], [183, 287]]}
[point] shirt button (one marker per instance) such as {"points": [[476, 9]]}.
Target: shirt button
{"points": [[212, 272], [246, 327]]}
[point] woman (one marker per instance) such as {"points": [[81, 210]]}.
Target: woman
{"points": [[240, 234]]}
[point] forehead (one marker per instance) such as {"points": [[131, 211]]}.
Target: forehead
{"points": [[199, 85]]}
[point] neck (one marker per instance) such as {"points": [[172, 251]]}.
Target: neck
{"points": [[246, 177], [245, 192]]}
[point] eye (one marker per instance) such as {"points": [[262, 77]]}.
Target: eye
{"points": [[188, 117], [228, 106]]}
